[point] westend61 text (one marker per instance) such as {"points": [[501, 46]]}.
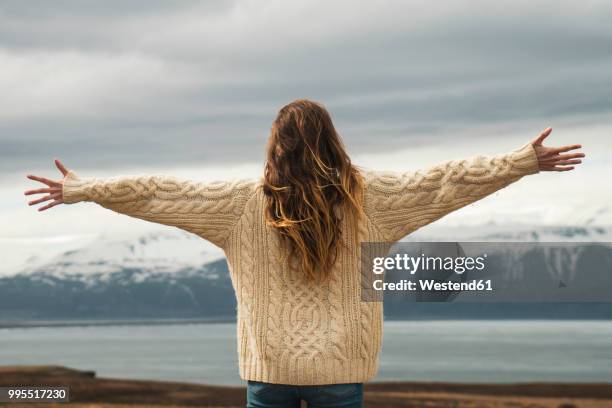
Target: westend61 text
{"points": [[433, 285]]}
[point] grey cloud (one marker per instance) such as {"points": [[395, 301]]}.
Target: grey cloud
{"points": [[156, 86]]}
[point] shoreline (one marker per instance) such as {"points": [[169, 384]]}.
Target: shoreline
{"points": [[25, 324]]}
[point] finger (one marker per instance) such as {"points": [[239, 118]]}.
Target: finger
{"points": [[551, 166], [45, 198], [41, 190], [53, 204], [566, 148], [561, 157], [566, 162], [44, 180], [543, 135], [569, 156], [61, 167], [558, 168]]}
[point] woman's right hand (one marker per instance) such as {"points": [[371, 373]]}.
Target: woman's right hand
{"points": [[54, 188]]}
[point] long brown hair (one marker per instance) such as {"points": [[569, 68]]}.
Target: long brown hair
{"points": [[309, 182]]}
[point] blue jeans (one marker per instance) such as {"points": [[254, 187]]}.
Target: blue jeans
{"points": [[266, 395]]}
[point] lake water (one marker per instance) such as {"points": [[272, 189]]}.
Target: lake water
{"points": [[461, 351]]}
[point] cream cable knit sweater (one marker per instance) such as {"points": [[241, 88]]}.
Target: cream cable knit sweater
{"points": [[289, 330]]}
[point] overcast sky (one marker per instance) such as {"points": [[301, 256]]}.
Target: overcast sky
{"points": [[191, 88]]}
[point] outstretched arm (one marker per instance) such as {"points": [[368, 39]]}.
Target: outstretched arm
{"points": [[209, 210], [400, 203]]}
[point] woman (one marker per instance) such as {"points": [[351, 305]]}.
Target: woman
{"points": [[292, 243]]}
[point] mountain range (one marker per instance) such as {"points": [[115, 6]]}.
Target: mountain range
{"points": [[172, 274]]}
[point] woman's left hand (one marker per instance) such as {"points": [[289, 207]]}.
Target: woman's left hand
{"points": [[553, 158]]}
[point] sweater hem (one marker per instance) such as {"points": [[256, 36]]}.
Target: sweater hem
{"points": [[305, 371]]}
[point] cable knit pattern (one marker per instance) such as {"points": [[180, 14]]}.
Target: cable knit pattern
{"points": [[400, 203], [291, 330], [207, 209]]}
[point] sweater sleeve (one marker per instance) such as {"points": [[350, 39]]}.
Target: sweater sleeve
{"points": [[400, 203], [209, 210]]}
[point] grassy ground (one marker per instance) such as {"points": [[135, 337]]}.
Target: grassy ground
{"points": [[88, 391]]}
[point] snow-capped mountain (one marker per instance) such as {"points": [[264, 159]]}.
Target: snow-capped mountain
{"points": [[166, 251], [171, 250], [512, 233], [601, 216]]}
